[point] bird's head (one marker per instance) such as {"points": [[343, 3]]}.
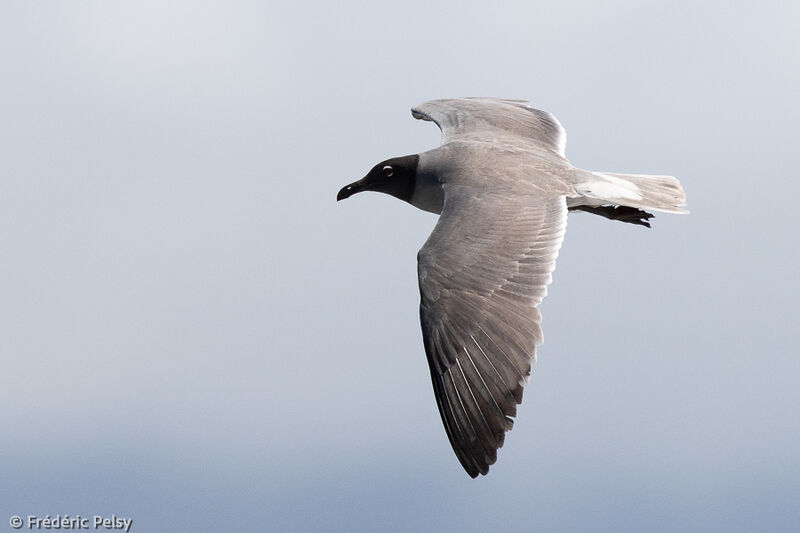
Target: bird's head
{"points": [[396, 176]]}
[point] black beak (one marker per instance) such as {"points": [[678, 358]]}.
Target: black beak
{"points": [[349, 190]]}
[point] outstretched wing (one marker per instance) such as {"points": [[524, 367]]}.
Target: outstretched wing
{"points": [[482, 272], [487, 118]]}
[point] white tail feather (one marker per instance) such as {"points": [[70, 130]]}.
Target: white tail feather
{"points": [[643, 191]]}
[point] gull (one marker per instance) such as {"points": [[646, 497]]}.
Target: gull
{"points": [[503, 187]]}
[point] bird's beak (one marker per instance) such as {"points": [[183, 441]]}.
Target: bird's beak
{"points": [[349, 190]]}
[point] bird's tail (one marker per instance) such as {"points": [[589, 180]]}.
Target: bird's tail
{"points": [[642, 191]]}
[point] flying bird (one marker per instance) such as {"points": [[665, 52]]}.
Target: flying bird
{"points": [[503, 187]]}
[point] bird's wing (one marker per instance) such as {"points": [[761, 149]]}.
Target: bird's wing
{"points": [[492, 118], [482, 272]]}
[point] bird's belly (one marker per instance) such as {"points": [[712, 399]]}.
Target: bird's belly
{"points": [[575, 201]]}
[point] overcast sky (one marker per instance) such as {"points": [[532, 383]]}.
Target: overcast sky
{"points": [[195, 335]]}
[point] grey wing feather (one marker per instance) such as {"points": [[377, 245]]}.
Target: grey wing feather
{"points": [[482, 272], [487, 118]]}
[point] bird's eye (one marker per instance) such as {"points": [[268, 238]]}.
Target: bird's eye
{"points": [[388, 171]]}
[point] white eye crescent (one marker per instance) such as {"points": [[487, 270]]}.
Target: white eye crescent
{"points": [[388, 171]]}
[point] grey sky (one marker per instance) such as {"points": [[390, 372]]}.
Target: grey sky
{"points": [[195, 335]]}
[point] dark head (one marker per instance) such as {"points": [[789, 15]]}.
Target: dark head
{"points": [[395, 176]]}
